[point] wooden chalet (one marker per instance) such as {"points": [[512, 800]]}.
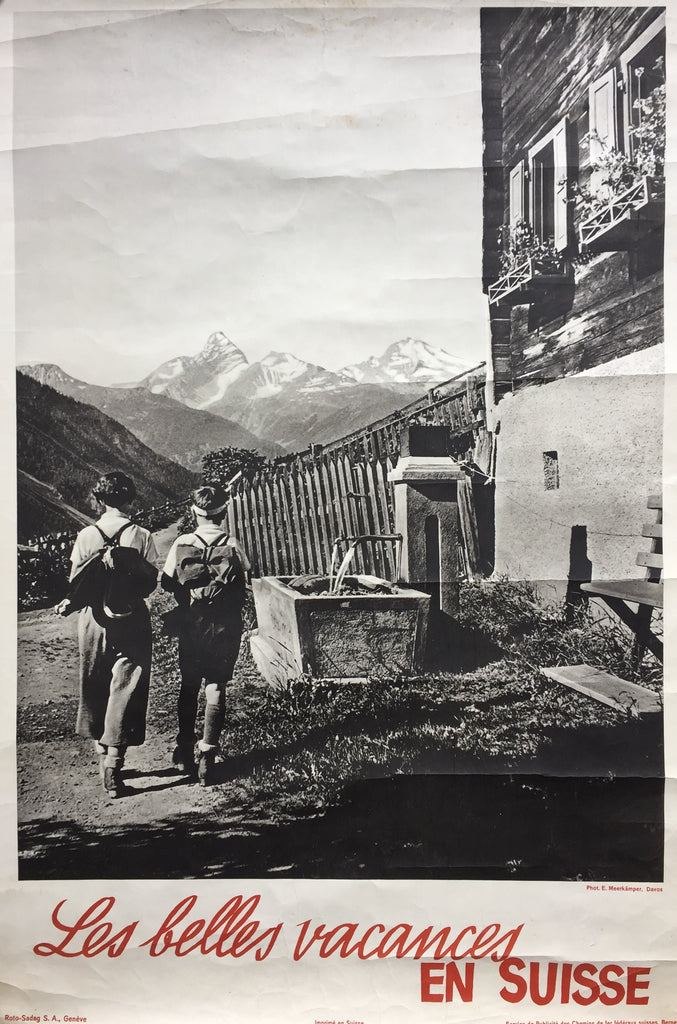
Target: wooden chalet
{"points": [[573, 117]]}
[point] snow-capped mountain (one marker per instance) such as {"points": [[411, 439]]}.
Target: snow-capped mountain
{"points": [[202, 380], [276, 370], [407, 362], [280, 400]]}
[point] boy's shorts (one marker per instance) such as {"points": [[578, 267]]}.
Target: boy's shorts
{"points": [[209, 643]]}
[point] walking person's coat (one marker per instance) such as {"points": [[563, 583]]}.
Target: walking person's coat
{"points": [[115, 642]]}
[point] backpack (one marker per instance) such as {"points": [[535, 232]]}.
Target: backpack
{"points": [[213, 573], [117, 590]]}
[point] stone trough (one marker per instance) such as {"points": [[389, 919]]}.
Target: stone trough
{"points": [[349, 636]]}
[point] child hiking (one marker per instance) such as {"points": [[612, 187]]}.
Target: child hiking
{"points": [[112, 572], [206, 572]]}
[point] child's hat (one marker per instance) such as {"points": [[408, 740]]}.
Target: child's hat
{"points": [[209, 500]]}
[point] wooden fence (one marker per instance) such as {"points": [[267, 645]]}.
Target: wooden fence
{"points": [[288, 518]]}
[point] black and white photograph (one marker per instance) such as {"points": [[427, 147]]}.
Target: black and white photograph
{"points": [[339, 411]]}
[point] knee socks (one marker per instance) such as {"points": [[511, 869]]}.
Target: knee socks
{"points": [[187, 711], [214, 719], [111, 757]]}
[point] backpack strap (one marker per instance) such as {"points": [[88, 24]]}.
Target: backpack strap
{"points": [[105, 536], [116, 536], [213, 543], [114, 541]]}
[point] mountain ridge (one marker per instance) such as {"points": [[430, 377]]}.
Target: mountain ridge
{"points": [[167, 426], [289, 398], [65, 445]]}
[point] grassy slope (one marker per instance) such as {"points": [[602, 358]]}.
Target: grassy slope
{"points": [[67, 445]]}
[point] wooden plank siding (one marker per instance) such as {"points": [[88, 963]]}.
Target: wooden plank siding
{"points": [[538, 65]]}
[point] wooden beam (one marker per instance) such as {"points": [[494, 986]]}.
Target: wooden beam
{"points": [[637, 625], [607, 688], [651, 559]]}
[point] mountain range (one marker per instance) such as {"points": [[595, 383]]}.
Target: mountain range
{"points": [[159, 429], [193, 404], [295, 402], [204, 381], [168, 426]]}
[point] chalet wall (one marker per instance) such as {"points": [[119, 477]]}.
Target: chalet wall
{"points": [[578, 377], [613, 311], [549, 58], [494, 23], [537, 65], [606, 431]]}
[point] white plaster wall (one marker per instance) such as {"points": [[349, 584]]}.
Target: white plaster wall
{"points": [[606, 427]]}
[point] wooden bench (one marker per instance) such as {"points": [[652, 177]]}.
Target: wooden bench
{"points": [[647, 593]]}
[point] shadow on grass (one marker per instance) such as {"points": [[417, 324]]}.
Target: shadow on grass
{"points": [[455, 646], [628, 748], [435, 826], [623, 746]]}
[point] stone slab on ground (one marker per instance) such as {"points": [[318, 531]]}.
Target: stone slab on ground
{"points": [[607, 688]]}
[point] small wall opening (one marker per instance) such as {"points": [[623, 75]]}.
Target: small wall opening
{"points": [[432, 558], [551, 471]]}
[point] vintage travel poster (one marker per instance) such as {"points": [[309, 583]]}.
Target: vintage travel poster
{"points": [[337, 681]]}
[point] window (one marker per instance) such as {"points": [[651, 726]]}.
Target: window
{"points": [[549, 173], [643, 69], [551, 471], [538, 188], [543, 192]]}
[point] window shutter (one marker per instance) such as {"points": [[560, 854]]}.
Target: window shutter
{"points": [[517, 193], [560, 153], [602, 104]]}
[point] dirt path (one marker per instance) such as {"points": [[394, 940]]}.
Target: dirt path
{"points": [[168, 827], [65, 818]]}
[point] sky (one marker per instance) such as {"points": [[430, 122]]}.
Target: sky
{"points": [[303, 180]]}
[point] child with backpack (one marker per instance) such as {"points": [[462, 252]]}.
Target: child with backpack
{"points": [[112, 572], [206, 571]]}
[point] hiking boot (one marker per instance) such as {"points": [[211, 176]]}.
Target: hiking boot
{"points": [[184, 759], [113, 784], [205, 766]]}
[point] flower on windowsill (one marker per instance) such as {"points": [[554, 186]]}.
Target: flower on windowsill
{"points": [[612, 172], [520, 243], [649, 135]]}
